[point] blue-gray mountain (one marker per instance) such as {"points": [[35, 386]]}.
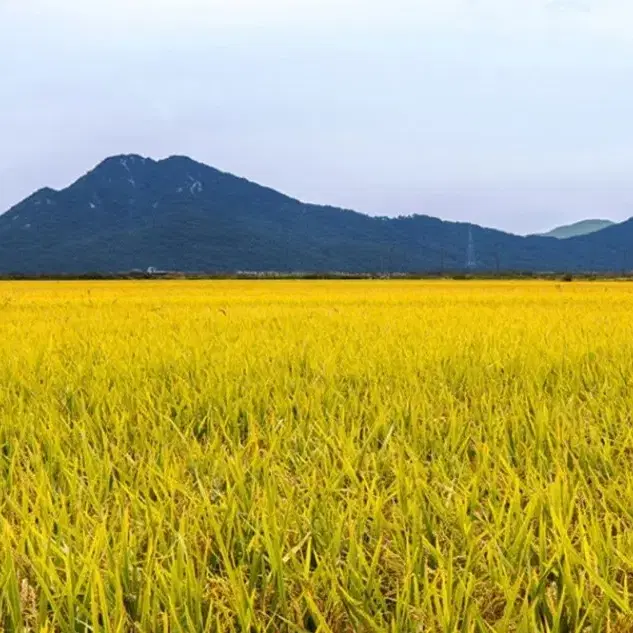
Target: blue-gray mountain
{"points": [[132, 212], [584, 227]]}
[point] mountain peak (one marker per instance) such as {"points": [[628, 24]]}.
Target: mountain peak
{"points": [[584, 227], [125, 162], [43, 196], [179, 158], [45, 191], [129, 170], [126, 158]]}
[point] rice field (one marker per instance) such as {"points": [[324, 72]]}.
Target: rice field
{"points": [[337, 457]]}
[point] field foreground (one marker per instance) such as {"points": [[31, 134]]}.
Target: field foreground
{"points": [[316, 456]]}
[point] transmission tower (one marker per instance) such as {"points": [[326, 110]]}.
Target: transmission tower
{"points": [[470, 256]]}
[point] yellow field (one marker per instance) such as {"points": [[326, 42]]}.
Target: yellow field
{"points": [[316, 456]]}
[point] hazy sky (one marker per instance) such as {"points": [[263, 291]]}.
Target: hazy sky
{"points": [[516, 114]]}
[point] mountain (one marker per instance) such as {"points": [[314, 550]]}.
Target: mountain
{"points": [[585, 227], [131, 212]]}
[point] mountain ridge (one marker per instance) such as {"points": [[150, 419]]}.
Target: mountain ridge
{"points": [[133, 212]]}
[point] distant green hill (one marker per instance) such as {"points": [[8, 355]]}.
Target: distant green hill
{"points": [[578, 228]]}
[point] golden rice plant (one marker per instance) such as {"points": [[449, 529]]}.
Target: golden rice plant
{"points": [[316, 456]]}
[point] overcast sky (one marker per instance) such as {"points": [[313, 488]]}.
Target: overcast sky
{"points": [[516, 114]]}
